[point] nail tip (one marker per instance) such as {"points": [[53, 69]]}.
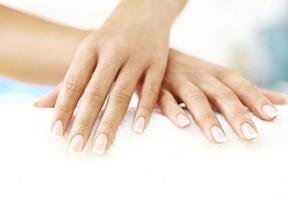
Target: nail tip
{"points": [[76, 144], [57, 129], [185, 124], [220, 141], [74, 150], [139, 125], [270, 111], [218, 135], [251, 137], [100, 144], [182, 120], [139, 131]]}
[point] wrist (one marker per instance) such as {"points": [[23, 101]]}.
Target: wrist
{"points": [[160, 12]]}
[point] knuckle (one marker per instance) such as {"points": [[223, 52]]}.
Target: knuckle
{"points": [[87, 48], [208, 118], [194, 95], [152, 91], [63, 109], [94, 94], [248, 88], [91, 40], [83, 126], [240, 115], [120, 95], [73, 84], [250, 91], [225, 95]]}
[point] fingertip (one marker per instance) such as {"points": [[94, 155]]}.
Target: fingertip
{"points": [[182, 120], [139, 125], [285, 98], [100, 144], [77, 143], [270, 111], [248, 131], [218, 134]]}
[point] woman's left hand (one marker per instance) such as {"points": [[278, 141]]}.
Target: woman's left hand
{"points": [[204, 86], [133, 44]]}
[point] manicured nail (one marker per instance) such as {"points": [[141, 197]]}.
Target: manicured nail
{"points": [[285, 96], [100, 144], [248, 131], [182, 120], [35, 102], [218, 134], [77, 143], [57, 129], [139, 125], [270, 111]]}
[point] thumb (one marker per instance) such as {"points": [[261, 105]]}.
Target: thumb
{"points": [[49, 99]]}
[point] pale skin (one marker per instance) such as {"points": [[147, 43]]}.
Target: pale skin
{"points": [[201, 85]]}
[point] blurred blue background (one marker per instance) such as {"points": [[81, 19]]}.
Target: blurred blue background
{"points": [[18, 92]]}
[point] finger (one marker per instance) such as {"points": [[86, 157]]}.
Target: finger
{"points": [[74, 83], [230, 106], [250, 95], [92, 102], [148, 97], [275, 97], [47, 100], [172, 110], [116, 108], [198, 105]]}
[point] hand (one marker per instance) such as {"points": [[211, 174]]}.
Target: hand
{"points": [[131, 45], [202, 85]]}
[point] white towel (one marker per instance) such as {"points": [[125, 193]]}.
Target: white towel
{"points": [[165, 162]]}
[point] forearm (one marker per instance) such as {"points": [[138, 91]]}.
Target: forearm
{"points": [[33, 49], [161, 12]]}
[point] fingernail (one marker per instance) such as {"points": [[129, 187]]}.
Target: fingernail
{"points": [[57, 129], [139, 125], [285, 96], [77, 143], [35, 102], [218, 134], [270, 111], [100, 144], [248, 131], [182, 120]]}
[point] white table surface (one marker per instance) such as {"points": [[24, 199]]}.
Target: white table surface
{"points": [[163, 163]]}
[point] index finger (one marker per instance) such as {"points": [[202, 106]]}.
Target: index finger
{"points": [[72, 88]]}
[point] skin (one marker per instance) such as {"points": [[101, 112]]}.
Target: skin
{"points": [[132, 44], [181, 81], [204, 86], [202, 96], [43, 49]]}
